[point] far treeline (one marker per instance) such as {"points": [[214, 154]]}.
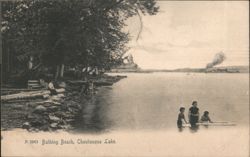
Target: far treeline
{"points": [[53, 34]]}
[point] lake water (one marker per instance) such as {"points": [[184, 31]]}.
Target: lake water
{"points": [[151, 101], [140, 113]]}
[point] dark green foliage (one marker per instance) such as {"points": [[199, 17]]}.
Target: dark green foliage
{"points": [[70, 32]]}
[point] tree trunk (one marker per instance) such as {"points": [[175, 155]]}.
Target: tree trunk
{"points": [[57, 72], [24, 95], [30, 63], [62, 70], [32, 94]]}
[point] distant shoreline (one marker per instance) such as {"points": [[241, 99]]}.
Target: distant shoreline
{"points": [[224, 69]]}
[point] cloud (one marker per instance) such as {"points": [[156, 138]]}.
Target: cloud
{"points": [[187, 34]]}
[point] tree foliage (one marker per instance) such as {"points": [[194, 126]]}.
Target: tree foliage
{"points": [[70, 32]]}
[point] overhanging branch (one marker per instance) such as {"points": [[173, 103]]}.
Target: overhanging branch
{"points": [[141, 25]]}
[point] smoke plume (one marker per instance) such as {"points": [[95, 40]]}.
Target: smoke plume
{"points": [[218, 59]]}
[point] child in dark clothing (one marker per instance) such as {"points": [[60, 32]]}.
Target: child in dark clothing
{"points": [[181, 117], [193, 114], [205, 117]]}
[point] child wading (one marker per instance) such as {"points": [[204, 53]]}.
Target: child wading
{"points": [[205, 117], [193, 114], [181, 117]]}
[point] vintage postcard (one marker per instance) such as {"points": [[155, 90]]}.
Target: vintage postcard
{"points": [[124, 78]]}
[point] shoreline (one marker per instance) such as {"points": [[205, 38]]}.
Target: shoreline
{"points": [[169, 71], [219, 69], [49, 116]]}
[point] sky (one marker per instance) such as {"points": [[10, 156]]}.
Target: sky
{"points": [[189, 34]]}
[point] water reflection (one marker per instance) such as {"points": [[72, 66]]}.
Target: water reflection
{"points": [[93, 116], [194, 129]]}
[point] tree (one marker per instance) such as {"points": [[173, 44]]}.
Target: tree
{"points": [[69, 32]]}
